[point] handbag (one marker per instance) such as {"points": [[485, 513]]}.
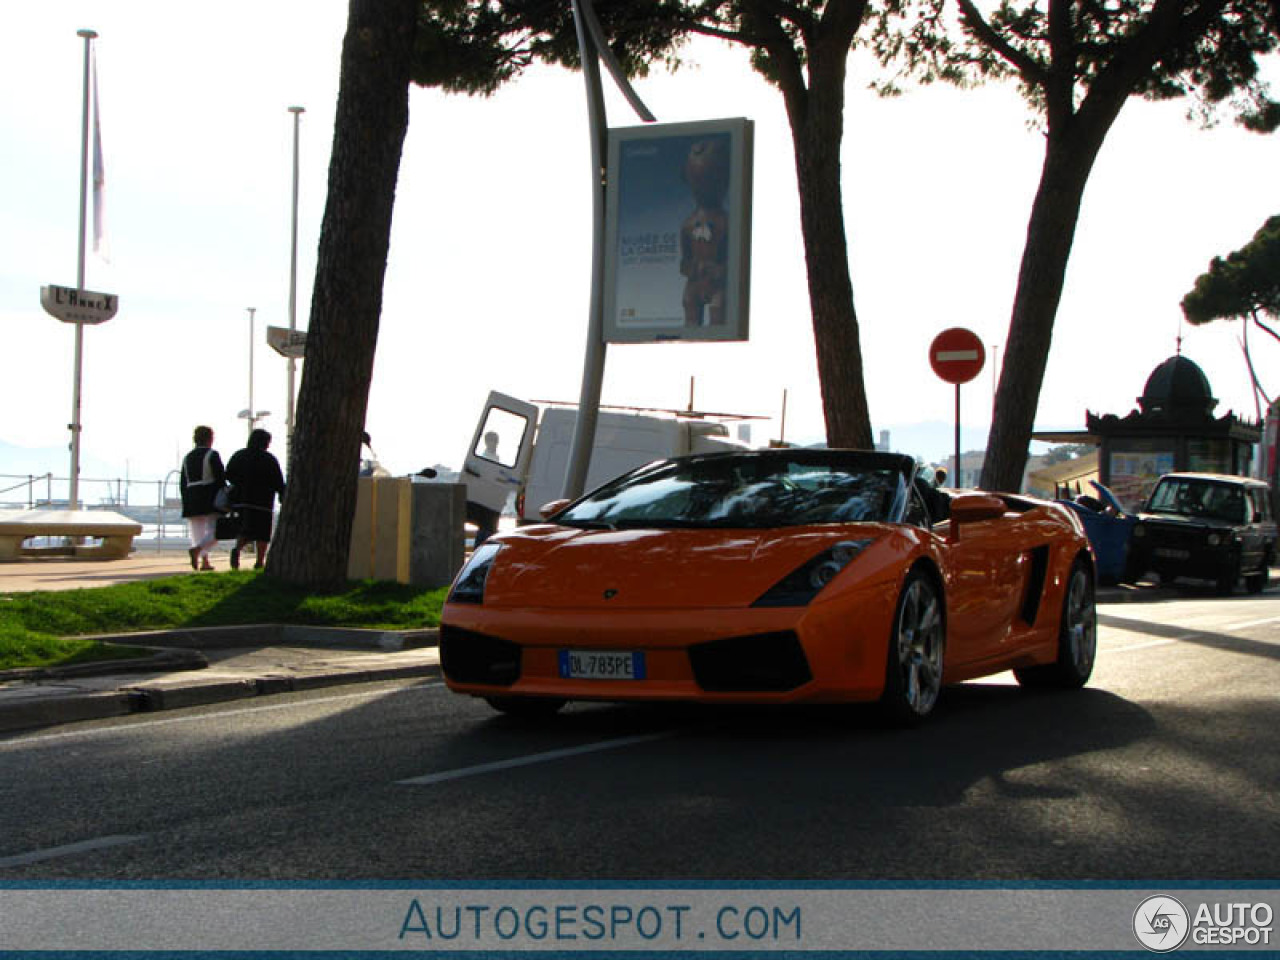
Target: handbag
{"points": [[227, 527], [225, 499]]}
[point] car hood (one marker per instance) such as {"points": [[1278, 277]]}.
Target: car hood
{"points": [[1175, 521], [560, 567]]}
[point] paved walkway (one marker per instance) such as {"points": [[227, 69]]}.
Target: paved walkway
{"points": [[68, 573]]}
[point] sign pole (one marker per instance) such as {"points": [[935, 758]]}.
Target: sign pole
{"points": [[584, 427], [73, 495], [957, 356], [956, 480], [293, 287], [592, 48]]}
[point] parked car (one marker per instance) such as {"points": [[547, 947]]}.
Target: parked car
{"points": [[1205, 526], [1108, 528], [773, 576]]}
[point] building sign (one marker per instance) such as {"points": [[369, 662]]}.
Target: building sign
{"points": [[678, 232], [287, 343], [78, 306]]}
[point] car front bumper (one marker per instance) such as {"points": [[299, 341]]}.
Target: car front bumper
{"points": [[825, 652]]}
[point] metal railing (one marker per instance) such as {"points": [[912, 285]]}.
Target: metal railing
{"points": [[153, 503]]}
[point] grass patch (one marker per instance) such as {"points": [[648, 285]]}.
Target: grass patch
{"points": [[47, 628]]}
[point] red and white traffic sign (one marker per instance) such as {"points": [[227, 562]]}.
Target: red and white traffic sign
{"points": [[957, 355]]}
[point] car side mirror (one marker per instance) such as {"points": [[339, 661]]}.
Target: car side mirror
{"points": [[552, 508], [972, 507]]}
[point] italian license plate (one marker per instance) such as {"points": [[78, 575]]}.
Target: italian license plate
{"points": [[602, 664], [1171, 553]]}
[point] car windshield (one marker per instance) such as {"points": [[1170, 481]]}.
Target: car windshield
{"points": [[748, 490], [1199, 498]]}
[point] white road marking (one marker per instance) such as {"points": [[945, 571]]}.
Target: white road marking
{"points": [[479, 769], [1251, 623], [202, 717], [1147, 645], [71, 849]]}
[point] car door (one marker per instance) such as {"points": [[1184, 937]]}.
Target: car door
{"points": [[1258, 533], [989, 567], [498, 459]]}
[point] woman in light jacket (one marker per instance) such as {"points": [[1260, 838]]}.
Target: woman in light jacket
{"points": [[199, 481]]}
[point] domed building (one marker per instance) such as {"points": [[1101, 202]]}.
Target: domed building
{"points": [[1173, 429]]}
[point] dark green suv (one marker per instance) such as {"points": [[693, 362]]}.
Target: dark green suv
{"points": [[1207, 526]]}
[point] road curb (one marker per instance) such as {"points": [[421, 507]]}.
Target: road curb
{"points": [[162, 660], [72, 708], [45, 711]]}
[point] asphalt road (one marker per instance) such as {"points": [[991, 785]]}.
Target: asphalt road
{"points": [[1164, 768]]}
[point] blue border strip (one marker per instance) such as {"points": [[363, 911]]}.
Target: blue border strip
{"points": [[1261, 883]]}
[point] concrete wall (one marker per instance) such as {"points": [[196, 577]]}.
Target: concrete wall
{"points": [[407, 531]]}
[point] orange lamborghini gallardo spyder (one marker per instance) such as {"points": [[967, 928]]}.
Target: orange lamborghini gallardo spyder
{"points": [[773, 576]]}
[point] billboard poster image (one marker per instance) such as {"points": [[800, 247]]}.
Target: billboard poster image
{"points": [[678, 227]]}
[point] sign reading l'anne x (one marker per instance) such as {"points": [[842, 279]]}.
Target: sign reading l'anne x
{"points": [[78, 306]]}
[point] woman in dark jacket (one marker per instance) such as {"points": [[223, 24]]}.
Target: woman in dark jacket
{"points": [[199, 481], [256, 480]]}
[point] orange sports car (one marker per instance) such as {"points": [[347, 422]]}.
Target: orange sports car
{"points": [[773, 576]]}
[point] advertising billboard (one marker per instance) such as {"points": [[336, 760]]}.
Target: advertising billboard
{"points": [[678, 232]]}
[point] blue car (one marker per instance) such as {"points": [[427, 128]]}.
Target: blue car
{"points": [[1108, 528]]}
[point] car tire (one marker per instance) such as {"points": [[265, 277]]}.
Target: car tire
{"points": [[1077, 637], [1229, 576], [527, 706], [917, 645], [1257, 582]]}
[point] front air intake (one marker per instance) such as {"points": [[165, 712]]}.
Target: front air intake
{"points": [[765, 662], [468, 657]]}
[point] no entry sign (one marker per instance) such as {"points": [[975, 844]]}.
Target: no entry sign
{"points": [[957, 355]]}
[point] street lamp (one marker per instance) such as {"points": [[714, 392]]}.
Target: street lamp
{"points": [[293, 279], [253, 416]]}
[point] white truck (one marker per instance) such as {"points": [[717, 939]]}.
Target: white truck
{"points": [[523, 449]]}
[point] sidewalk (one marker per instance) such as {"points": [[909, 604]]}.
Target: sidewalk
{"points": [[68, 573], [193, 667]]}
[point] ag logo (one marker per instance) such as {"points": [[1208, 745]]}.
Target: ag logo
{"points": [[1161, 924]]}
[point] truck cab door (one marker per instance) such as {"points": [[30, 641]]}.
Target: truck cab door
{"points": [[498, 459]]}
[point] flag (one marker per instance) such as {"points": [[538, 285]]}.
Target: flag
{"points": [[99, 177]]}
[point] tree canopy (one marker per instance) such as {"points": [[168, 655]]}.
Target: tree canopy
{"points": [[1077, 63], [1243, 284]]}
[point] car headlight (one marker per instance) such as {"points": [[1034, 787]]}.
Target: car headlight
{"points": [[1213, 539], [1139, 531], [468, 587], [805, 583]]}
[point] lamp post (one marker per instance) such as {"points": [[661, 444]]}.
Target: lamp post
{"points": [[73, 495], [293, 279], [249, 413]]}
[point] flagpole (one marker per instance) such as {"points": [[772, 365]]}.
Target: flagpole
{"points": [[74, 494]]}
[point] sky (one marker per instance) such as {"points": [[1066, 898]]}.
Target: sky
{"points": [[488, 275]]}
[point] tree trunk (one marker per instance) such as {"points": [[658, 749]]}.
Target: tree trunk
{"points": [[817, 129], [1068, 160], [314, 534]]}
